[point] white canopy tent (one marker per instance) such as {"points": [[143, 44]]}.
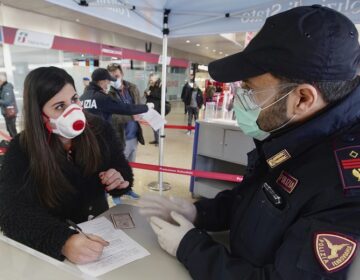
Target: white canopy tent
{"points": [[179, 18]]}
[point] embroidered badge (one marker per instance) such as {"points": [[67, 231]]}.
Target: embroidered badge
{"points": [[279, 158], [287, 182], [348, 161], [333, 250]]}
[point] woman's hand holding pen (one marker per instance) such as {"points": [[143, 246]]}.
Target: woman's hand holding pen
{"points": [[82, 249], [112, 179]]}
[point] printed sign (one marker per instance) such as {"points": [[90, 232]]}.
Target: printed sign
{"points": [[33, 39]]}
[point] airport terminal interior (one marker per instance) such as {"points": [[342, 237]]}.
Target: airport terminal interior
{"points": [[203, 151]]}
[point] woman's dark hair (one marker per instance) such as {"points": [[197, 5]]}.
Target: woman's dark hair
{"points": [[46, 152]]}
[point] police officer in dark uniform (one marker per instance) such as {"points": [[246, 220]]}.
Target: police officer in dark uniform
{"points": [[96, 100], [296, 213]]}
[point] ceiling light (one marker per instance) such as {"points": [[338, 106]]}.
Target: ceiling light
{"points": [[214, 50], [207, 48], [220, 52], [226, 54], [77, 20], [198, 45], [188, 41]]}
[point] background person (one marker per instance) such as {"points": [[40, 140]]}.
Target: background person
{"points": [[184, 92], [96, 100], [8, 105], [129, 130], [296, 213], [153, 95], [59, 168], [193, 101]]}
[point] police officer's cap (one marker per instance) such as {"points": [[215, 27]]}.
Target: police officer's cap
{"points": [[313, 43]]}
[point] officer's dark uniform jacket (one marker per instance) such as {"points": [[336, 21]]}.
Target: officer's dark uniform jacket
{"points": [[314, 170], [95, 101]]}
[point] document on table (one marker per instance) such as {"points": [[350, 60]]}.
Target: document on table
{"points": [[154, 119], [122, 249]]}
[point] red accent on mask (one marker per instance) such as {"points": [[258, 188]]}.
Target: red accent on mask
{"points": [[78, 125]]}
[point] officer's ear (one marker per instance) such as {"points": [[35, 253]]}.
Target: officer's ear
{"points": [[305, 101]]}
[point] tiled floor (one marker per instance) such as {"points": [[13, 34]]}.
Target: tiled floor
{"points": [[177, 153]]}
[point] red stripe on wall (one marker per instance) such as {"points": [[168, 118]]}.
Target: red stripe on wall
{"points": [[81, 46], [179, 62], [143, 56], [74, 45]]}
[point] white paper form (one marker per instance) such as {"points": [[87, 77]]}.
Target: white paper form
{"points": [[154, 119], [122, 249]]}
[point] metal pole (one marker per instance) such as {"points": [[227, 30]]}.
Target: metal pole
{"points": [[160, 184], [163, 96]]}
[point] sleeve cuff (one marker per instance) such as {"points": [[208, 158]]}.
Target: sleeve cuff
{"points": [[191, 239]]}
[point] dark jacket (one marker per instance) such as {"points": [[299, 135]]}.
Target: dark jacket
{"points": [[299, 185], [25, 220], [118, 121], [184, 90], [7, 97], [155, 97], [95, 101], [199, 97]]}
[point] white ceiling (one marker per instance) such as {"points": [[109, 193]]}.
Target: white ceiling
{"points": [[207, 46]]}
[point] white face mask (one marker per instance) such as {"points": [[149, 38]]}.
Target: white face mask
{"points": [[70, 124], [117, 84]]}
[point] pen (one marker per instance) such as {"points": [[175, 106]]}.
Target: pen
{"points": [[77, 228]]}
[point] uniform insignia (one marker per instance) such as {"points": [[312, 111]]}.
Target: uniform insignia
{"points": [[353, 154], [89, 104], [279, 158], [348, 161], [333, 250], [287, 182]]}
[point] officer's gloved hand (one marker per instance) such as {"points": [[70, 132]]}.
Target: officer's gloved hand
{"points": [[160, 206], [150, 105], [169, 235]]}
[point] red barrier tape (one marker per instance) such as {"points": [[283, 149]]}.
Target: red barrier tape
{"points": [[188, 172], [180, 126]]}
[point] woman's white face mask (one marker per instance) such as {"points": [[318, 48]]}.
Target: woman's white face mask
{"points": [[69, 124]]}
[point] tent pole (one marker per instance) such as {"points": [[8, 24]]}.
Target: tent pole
{"points": [[163, 94], [160, 185], [163, 97]]}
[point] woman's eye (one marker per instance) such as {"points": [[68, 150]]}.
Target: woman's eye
{"points": [[59, 107], [75, 99]]}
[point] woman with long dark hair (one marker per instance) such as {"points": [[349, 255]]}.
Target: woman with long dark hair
{"points": [[59, 168]]}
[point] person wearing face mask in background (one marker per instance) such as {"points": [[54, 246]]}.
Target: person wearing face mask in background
{"points": [[97, 101], [296, 213], [129, 131], [59, 167]]}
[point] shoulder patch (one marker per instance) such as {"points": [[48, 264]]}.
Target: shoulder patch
{"points": [[334, 251], [348, 161]]}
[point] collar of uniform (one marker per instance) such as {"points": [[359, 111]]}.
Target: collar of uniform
{"points": [[95, 87], [293, 142]]}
